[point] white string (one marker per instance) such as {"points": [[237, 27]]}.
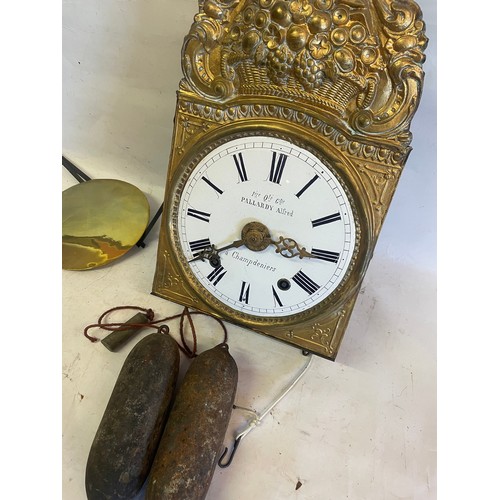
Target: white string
{"points": [[258, 417]]}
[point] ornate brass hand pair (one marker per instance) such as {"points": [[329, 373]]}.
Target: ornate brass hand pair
{"points": [[256, 237]]}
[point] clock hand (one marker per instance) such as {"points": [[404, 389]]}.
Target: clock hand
{"points": [[206, 253], [213, 253], [287, 247], [234, 244], [256, 237]]}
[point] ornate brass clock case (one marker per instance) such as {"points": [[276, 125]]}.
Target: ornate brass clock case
{"points": [[338, 80]]}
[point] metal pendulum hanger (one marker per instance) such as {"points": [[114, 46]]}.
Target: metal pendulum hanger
{"points": [[74, 170], [156, 216], [82, 177], [258, 417]]}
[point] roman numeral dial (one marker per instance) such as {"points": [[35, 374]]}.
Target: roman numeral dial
{"points": [[276, 297], [212, 185], [306, 283], [261, 228], [198, 214], [240, 167], [328, 219], [277, 166], [199, 245], [325, 255], [216, 275], [307, 186], [244, 292]]}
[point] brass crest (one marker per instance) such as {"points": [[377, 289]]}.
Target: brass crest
{"points": [[358, 62], [343, 76]]}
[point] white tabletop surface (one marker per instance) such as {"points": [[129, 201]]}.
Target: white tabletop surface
{"points": [[360, 428]]}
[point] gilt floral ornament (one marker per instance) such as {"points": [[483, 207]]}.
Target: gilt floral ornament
{"points": [[358, 59]]}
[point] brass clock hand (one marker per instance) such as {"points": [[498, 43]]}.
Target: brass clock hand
{"points": [[206, 253], [254, 235], [290, 248], [257, 237], [234, 244], [213, 253]]}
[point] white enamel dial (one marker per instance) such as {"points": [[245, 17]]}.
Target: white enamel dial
{"points": [[285, 189]]}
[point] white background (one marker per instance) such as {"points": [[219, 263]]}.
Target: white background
{"points": [[32, 83], [361, 428]]}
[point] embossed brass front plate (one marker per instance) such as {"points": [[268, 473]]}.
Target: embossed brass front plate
{"points": [[341, 78]]}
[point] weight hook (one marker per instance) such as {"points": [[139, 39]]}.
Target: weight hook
{"points": [[230, 459]]}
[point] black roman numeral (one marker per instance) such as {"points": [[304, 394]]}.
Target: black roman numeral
{"points": [[244, 292], [326, 220], [276, 298], [306, 283], [277, 167], [216, 275], [197, 214], [212, 185], [301, 192], [240, 166], [199, 244], [325, 255]]}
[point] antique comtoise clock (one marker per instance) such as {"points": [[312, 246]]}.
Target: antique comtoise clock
{"points": [[291, 131]]}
